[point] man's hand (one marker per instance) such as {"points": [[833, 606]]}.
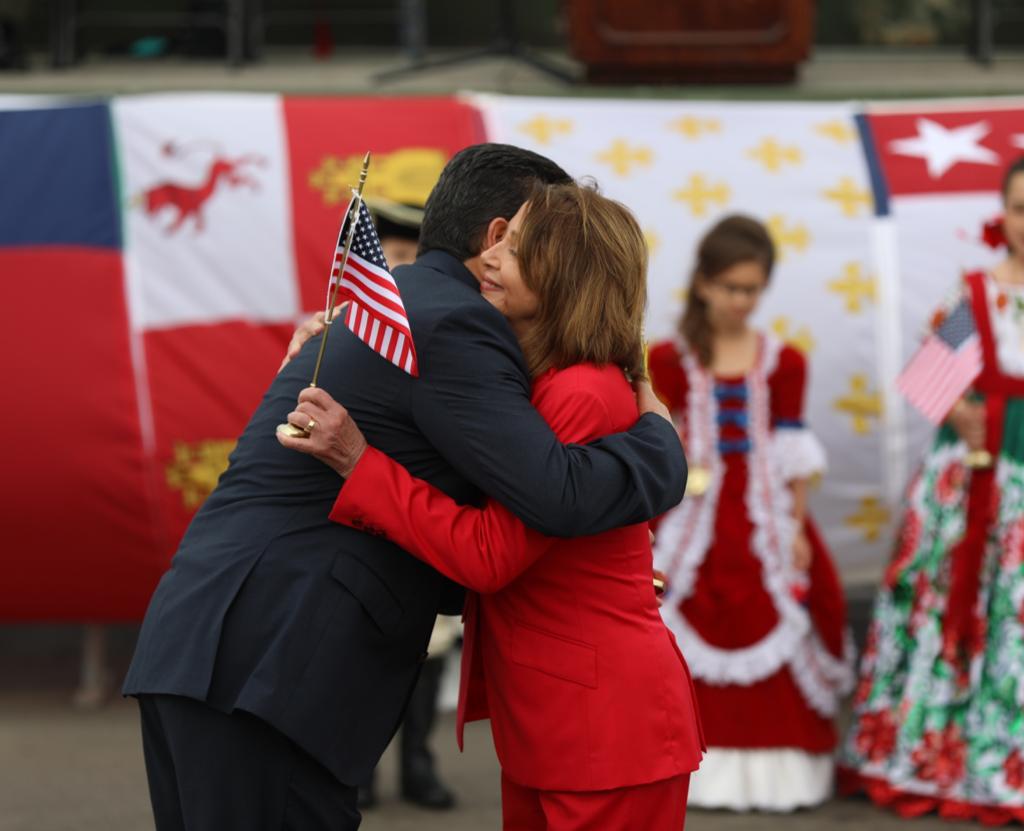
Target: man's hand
{"points": [[311, 327], [648, 402], [331, 434]]}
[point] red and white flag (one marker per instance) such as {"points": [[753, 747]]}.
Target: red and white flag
{"points": [[376, 313]]}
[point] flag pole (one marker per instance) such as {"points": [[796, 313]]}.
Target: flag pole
{"points": [[353, 221]]}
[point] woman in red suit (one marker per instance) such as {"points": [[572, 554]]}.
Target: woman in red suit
{"points": [[590, 701]]}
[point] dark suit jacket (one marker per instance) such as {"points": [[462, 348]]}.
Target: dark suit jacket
{"points": [[319, 629]]}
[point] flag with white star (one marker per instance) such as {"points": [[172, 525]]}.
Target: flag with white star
{"points": [[376, 314], [875, 211], [936, 173]]}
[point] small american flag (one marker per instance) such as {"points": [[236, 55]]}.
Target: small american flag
{"points": [[376, 313], [945, 366]]}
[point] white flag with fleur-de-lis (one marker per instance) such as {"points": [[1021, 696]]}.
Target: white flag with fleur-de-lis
{"points": [[799, 168]]}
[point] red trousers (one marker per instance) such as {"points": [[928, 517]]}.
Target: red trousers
{"points": [[658, 806]]}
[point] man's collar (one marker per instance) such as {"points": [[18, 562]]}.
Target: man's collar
{"points": [[444, 262]]}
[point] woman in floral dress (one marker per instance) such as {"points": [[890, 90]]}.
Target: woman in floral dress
{"points": [[939, 710], [753, 596]]}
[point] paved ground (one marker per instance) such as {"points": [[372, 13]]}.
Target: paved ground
{"points": [[63, 769], [832, 73]]}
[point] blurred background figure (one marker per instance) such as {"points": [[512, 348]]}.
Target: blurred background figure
{"points": [[754, 599], [937, 714]]}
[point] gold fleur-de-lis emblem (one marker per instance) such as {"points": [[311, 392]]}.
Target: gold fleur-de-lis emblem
{"points": [[653, 241], [621, 156], [195, 468], [773, 155], [693, 127], [870, 518], [406, 176], [855, 287], [788, 237], [332, 178], [699, 194], [849, 197], [543, 129], [837, 130], [860, 403], [800, 338]]}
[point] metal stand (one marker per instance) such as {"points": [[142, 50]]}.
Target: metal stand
{"points": [[982, 23], [506, 44], [66, 18], [94, 683]]}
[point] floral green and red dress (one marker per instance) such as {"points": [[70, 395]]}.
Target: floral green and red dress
{"points": [[939, 710]]}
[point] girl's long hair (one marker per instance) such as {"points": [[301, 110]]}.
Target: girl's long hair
{"points": [[733, 240]]}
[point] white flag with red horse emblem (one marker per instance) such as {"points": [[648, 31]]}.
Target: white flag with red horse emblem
{"points": [[207, 221]]}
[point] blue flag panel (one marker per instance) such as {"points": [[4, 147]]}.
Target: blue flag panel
{"points": [[57, 178]]}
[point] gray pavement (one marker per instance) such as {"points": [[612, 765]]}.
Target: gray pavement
{"points": [[67, 770], [831, 73]]}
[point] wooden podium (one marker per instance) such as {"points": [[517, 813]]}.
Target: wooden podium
{"points": [[696, 41]]}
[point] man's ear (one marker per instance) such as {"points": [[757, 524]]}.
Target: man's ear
{"points": [[496, 230]]}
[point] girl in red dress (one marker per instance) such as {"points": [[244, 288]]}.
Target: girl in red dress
{"points": [[591, 706], [753, 598]]}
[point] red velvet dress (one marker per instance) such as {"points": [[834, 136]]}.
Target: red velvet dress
{"points": [[766, 644]]}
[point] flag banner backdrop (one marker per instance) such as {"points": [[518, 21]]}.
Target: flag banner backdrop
{"points": [[157, 251], [800, 168]]}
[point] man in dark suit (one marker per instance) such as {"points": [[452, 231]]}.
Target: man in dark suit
{"points": [[279, 650]]}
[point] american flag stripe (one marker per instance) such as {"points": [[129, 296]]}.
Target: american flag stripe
{"points": [[937, 376], [396, 355], [356, 290], [352, 281], [376, 313], [386, 296], [385, 340], [382, 282]]}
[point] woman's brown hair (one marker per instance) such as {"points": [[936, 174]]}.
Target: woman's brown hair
{"points": [[585, 258], [733, 240]]}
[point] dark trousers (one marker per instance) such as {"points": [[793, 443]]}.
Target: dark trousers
{"points": [[210, 771], [418, 723]]}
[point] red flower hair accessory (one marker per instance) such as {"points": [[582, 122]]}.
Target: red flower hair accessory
{"points": [[993, 234]]}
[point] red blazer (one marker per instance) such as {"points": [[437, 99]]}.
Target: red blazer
{"points": [[565, 649]]}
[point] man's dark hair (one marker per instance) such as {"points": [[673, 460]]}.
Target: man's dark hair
{"points": [[479, 183]]}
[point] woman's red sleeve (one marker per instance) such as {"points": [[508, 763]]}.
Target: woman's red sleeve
{"points": [[483, 549]]}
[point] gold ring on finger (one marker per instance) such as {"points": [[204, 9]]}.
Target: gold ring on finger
{"points": [[311, 426]]}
